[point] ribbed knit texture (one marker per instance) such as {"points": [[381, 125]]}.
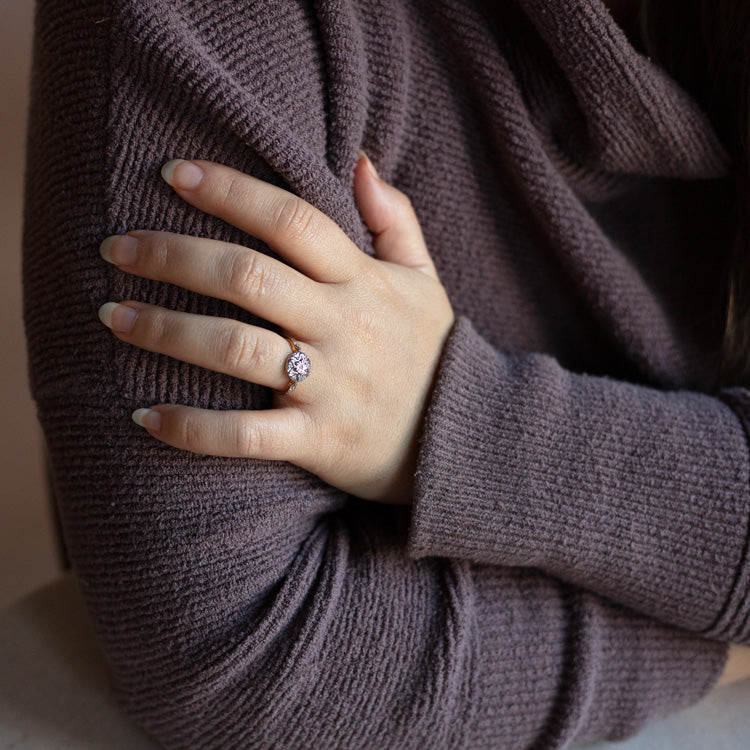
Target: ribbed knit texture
{"points": [[582, 499], [636, 493]]}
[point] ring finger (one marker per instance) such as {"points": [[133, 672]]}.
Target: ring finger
{"points": [[229, 346]]}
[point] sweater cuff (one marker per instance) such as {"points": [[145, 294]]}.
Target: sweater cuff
{"points": [[451, 496], [638, 494]]}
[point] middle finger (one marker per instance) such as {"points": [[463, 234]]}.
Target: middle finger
{"points": [[250, 279], [229, 346]]}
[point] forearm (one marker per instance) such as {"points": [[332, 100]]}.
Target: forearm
{"points": [[246, 603], [639, 494]]}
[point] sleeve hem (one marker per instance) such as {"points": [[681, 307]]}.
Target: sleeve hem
{"points": [[438, 527], [636, 493]]}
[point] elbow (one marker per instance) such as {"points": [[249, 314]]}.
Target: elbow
{"points": [[199, 681]]}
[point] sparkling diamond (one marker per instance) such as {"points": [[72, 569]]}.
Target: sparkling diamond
{"points": [[298, 366]]}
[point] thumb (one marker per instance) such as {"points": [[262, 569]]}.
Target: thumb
{"points": [[390, 216]]}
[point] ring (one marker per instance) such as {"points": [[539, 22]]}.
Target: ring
{"points": [[296, 366]]}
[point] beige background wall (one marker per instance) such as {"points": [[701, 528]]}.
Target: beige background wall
{"points": [[27, 550]]}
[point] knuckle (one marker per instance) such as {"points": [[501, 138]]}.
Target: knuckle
{"points": [[316, 445], [162, 256], [232, 192], [404, 206], [188, 431], [239, 349], [341, 437], [295, 218], [157, 328], [249, 276], [365, 323], [368, 325], [248, 439]]}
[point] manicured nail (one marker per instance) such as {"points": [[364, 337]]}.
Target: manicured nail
{"points": [[148, 419], [182, 174], [117, 317], [369, 164], [119, 249]]}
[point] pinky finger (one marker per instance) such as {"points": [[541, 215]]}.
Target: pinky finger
{"points": [[273, 434]]}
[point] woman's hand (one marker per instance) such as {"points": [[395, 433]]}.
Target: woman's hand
{"points": [[373, 328]]}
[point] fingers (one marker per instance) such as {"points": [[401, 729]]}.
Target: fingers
{"points": [[243, 351], [272, 434], [272, 290], [295, 229], [390, 216]]}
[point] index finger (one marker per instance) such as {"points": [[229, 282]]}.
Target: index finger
{"points": [[291, 226]]}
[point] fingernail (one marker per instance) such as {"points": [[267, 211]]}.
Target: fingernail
{"points": [[369, 164], [119, 249], [117, 317], [182, 174], [148, 419]]}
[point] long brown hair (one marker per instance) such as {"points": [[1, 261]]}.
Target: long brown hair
{"points": [[705, 46]]}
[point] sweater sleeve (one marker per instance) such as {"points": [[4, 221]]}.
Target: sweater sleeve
{"points": [[638, 494], [245, 603]]}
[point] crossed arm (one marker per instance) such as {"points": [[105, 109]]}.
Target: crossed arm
{"points": [[232, 596], [373, 327], [378, 461]]}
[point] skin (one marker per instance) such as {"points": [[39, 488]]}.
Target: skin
{"points": [[355, 420], [737, 667], [391, 310]]}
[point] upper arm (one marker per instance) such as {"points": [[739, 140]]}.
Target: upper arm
{"points": [[241, 601]]}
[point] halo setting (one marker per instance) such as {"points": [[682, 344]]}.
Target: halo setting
{"points": [[297, 366]]}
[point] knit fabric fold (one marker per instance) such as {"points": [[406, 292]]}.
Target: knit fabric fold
{"points": [[638, 121], [575, 202]]}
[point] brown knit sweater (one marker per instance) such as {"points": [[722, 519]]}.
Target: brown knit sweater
{"points": [[575, 559]]}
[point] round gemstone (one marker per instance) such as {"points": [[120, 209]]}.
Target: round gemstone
{"points": [[298, 366]]}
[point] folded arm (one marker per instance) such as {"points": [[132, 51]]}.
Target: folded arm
{"points": [[639, 494], [245, 603]]}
